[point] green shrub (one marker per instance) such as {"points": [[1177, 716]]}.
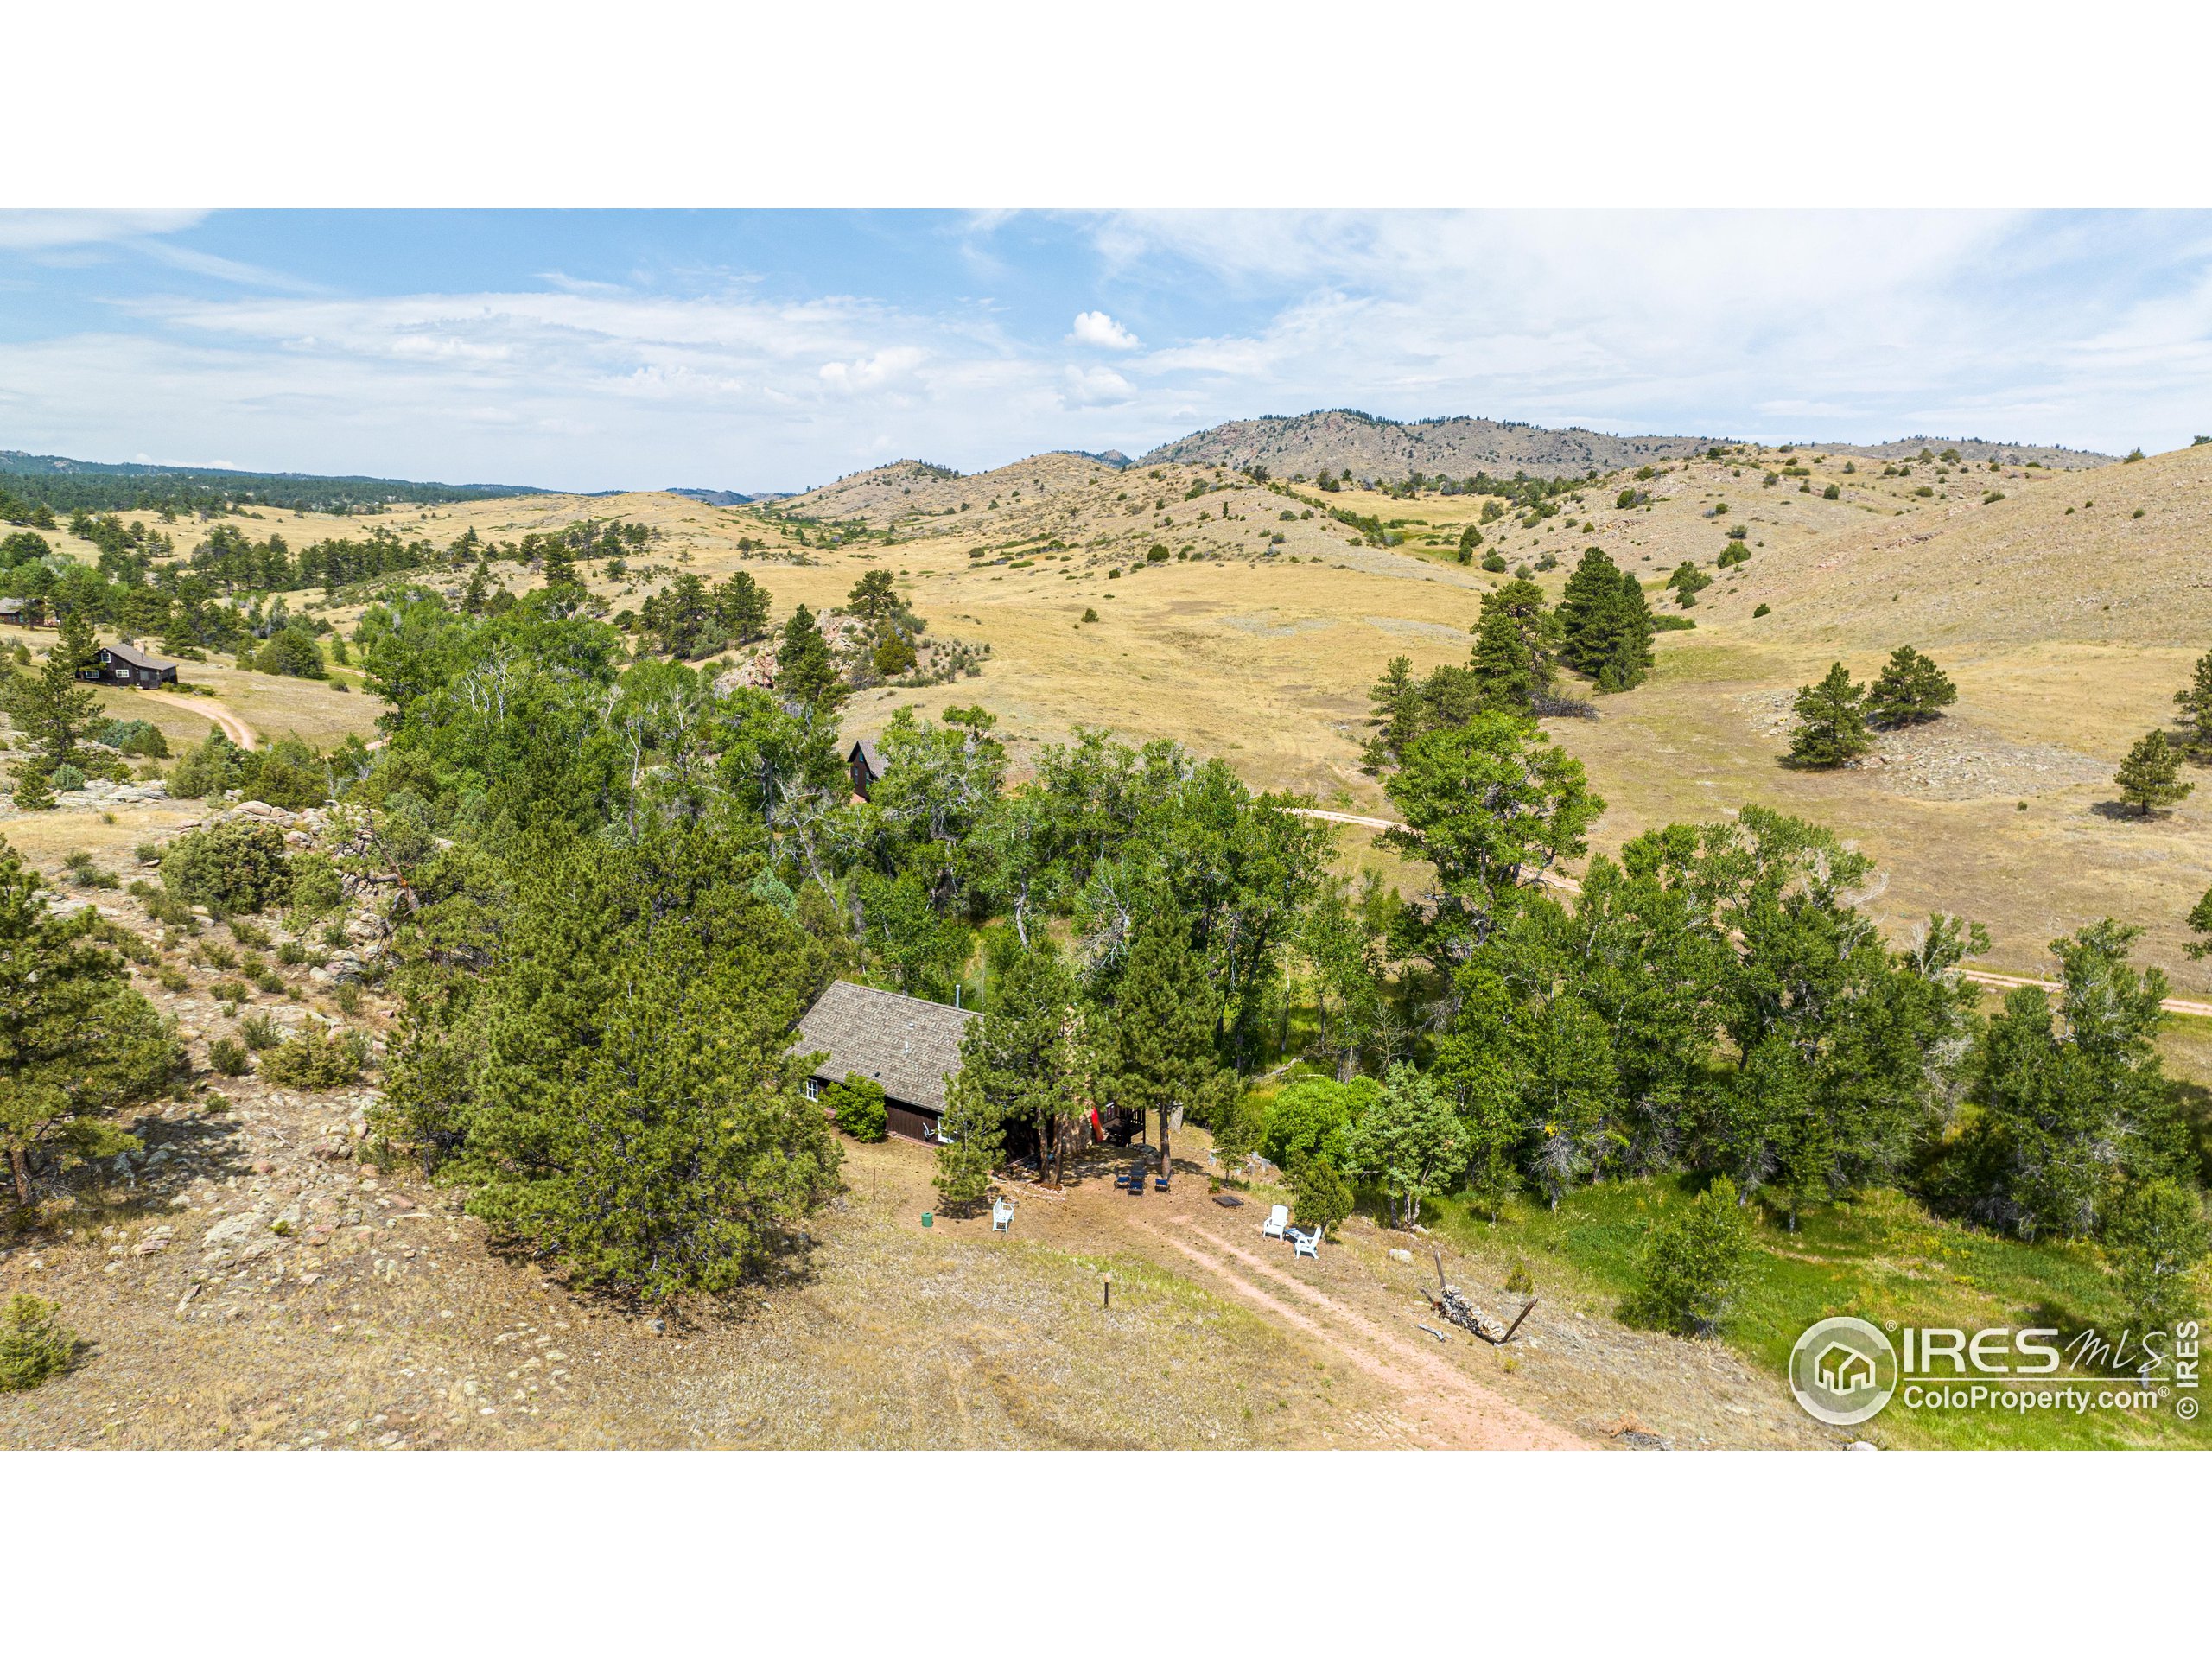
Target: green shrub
{"points": [[2155, 1241], [260, 1031], [247, 932], [857, 1105], [307, 1061], [1494, 562], [65, 778], [228, 1056], [34, 1343], [1311, 1116], [139, 737], [1519, 1279], [1693, 1261], [348, 998], [173, 979], [147, 852], [237, 866], [1323, 1197], [209, 769], [1834, 493], [1762, 610]]}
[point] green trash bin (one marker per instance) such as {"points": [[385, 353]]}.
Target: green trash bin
{"points": [[925, 1217]]}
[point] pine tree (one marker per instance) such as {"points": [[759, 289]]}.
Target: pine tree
{"points": [[1622, 644], [804, 673], [2195, 704], [1830, 722], [1590, 590], [1909, 690], [1516, 647], [2150, 776], [1162, 1049], [1397, 703], [76, 1041], [638, 1111], [53, 707]]}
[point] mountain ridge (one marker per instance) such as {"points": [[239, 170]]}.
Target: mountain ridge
{"points": [[1375, 447]]}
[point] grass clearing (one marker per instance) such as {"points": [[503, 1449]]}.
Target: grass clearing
{"points": [[1880, 1256]]}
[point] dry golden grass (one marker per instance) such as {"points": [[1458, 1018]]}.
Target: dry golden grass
{"points": [[1265, 657]]}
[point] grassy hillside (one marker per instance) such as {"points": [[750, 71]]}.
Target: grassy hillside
{"points": [[1258, 634]]}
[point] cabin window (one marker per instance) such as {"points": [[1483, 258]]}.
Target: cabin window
{"points": [[814, 1088]]}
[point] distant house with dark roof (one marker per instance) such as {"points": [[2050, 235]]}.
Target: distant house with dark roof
{"points": [[910, 1046], [22, 613], [866, 764], [127, 665]]}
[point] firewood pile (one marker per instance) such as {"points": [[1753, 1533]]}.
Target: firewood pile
{"points": [[1456, 1309]]}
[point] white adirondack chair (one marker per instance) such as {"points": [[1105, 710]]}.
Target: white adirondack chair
{"points": [[1001, 1214], [1307, 1244], [1277, 1219]]}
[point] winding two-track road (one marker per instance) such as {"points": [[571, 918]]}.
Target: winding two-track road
{"points": [[234, 728]]}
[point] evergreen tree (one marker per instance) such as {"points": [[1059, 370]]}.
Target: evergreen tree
{"points": [[1693, 1261], [1027, 1057], [742, 608], [1515, 644], [1591, 590], [53, 707], [479, 588], [2200, 923], [2150, 776], [874, 597], [1410, 1142], [1830, 722], [1162, 1030], [2195, 704], [1397, 700], [1620, 641], [1470, 539], [805, 675], [77, 1043], [1909, 690], [635, 1107], [564, 588]]}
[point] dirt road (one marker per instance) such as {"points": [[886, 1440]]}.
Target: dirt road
{"points": [[234, 728]]}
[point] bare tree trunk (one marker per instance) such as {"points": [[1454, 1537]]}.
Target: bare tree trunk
{"points": [[20, 1169]]}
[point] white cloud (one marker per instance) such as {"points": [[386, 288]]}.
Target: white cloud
{"points": [[25, 229], [1096, 329], [2094, 332], [1094, 387]]}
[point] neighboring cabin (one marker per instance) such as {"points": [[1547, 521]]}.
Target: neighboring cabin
{"points": [[910, 1046], [127, 665], [22, 613], [865, 764]]}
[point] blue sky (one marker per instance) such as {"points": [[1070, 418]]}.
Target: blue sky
{"points": [[773, 350]]}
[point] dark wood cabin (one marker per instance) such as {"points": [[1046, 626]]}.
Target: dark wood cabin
{"points": [[127, 665], [865, 764], [910, 1046]]}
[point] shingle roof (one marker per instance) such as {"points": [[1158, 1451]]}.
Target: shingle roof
{"points": [[11, 606], [132, 657], [906, 1044], [872, 755]]}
